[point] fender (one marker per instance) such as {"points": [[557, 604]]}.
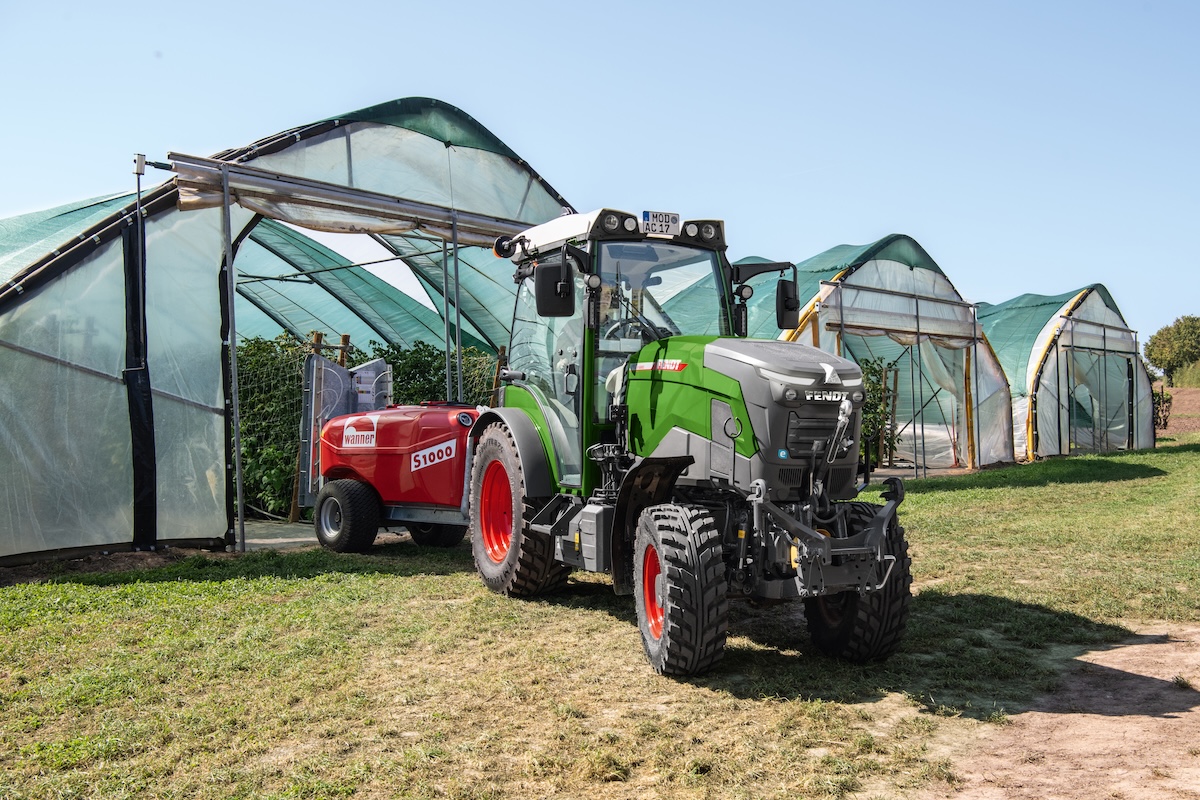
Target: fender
{"points": [[649, 483], [534, 463]]}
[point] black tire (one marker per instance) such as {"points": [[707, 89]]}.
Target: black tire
{"points": [[346, 516], [679, 589], [511, 559], [867, 627], [429, 534]]}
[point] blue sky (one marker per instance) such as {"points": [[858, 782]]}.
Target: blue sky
{"points": [[1029, 146]]}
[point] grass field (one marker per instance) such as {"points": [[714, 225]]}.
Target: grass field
{"points": [[313, 675]]}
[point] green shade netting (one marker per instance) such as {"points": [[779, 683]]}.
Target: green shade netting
{"points": [[1014, 326], [486, 292], [434, 119], [26, 238], [331, 296]]}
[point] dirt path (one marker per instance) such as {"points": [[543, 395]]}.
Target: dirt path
{"points": [[1185, 412], [1124, 724]]}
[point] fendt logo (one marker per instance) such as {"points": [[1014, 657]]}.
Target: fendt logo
{"points": [[360, 431], [661, 365], [832, 397]]}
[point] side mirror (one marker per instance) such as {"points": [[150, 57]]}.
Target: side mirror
{"points": [[554, 289], [787, 306]]}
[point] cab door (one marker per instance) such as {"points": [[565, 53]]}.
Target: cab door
{"points": [[549, 351]]}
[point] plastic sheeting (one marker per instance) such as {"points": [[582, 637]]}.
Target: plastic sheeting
{"points": [[66, 453], [186, 365], [890, 301], [101, 451], [1078, 382]]}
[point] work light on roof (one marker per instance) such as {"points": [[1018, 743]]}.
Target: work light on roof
{"points": [[611, 223], [691, 229], [708, 231], [630, 224]]}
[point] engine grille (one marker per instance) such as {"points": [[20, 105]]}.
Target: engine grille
{"points": [[811, 432]]}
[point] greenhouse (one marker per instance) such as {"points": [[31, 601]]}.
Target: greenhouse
{"points": [[890, 304], [1078, 383], [117, 315]]}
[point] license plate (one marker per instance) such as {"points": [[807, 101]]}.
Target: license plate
{"points": [[660, 223]]}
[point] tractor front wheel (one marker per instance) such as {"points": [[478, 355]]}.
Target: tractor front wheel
{"points": [[346, 516], [679, 589], [865, 627], [511, 559]]}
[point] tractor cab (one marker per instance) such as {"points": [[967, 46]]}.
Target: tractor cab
{"points": [[597, 289]]}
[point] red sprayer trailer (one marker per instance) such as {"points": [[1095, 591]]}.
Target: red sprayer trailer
{"points": [[401, 464]]}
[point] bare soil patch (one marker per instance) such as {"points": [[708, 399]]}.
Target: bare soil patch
{"points": [[1185, 412], [1125, 723], [91, 564]]}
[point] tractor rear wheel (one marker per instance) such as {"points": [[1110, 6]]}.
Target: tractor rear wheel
{"points": [[511, 559], [865, 627], [679, 589], [429, 534], [346, 516]]}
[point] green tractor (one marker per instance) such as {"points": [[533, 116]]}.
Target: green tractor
{"points": [[640, 433]]}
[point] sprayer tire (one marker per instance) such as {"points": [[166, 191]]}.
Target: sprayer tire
{"points": [[346, 516]]}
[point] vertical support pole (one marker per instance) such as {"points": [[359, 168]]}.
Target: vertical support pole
{"points": [[841, 319], [446, 313], [891, 450], [231, 289], [1104, 447], [969, 403], [136, 374], [921, 391], [1065, 364], [457, 305], [972, 383], [343, 348]]}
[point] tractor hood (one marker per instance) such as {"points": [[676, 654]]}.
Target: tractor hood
{"points": [[814, 375]]}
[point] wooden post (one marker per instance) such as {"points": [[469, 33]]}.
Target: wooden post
{"points": [[343, 349], [501, 363]]}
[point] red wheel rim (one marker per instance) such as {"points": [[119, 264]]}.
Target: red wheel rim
{"points": [[651, 572], [495, 512]]}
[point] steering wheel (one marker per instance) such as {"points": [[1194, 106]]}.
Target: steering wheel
{"points": [[632, 327], [627, 328]]}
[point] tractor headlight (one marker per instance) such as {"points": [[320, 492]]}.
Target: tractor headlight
{"points": [[611, 222], [857, 397], [790, 394]]}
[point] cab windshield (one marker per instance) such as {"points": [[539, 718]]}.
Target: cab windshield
{"points": [[672, 289]]}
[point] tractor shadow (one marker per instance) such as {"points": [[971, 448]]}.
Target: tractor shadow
{"points": [[976, 656]]}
